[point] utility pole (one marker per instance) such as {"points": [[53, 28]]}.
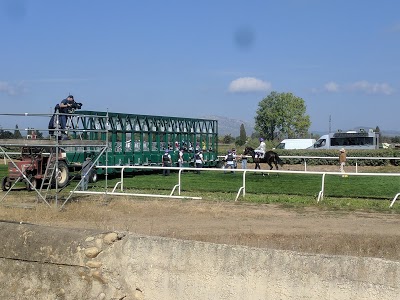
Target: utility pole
{"points": [[330, 124]]}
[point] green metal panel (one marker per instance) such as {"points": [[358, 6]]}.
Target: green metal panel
{"points": [[141, 139]]}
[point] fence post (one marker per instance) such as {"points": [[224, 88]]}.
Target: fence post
{"points": [[321, 192]]}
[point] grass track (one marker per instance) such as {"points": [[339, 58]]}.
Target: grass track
{"points": [[287, 189], [283, 184]]}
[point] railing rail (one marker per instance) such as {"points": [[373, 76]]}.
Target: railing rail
{"points": [[242, 189], [356, 158]]}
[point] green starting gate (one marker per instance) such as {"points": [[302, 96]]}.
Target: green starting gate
{"points": [[142, 139]]}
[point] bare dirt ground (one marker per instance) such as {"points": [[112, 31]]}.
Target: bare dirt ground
{"points": [[310, 230]]}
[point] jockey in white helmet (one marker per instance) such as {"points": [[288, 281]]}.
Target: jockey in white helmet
{"points": [[261, 149]]}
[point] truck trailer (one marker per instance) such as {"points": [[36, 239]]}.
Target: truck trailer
{"points": [[296, 144]]}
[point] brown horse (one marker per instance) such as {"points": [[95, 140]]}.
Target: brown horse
{"points": [[270, 157]]}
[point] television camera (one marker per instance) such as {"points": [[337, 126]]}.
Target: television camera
{"points": [[74, 106]]}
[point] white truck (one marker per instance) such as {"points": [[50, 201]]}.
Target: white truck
{"points": [[349, 140], [296, 144]]}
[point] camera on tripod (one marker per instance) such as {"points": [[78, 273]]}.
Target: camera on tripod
{"points": [[74, 106]]}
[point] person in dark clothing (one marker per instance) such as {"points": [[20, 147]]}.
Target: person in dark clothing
{"points": [[199, 160], [166, 162], [54, 121], [257, 161], [85, 173], [244, 161], [230, 160], [59, 121], [65, 106]]}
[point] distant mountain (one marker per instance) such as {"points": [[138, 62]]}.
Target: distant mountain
{"points": [[231, 126], [388, 132]]}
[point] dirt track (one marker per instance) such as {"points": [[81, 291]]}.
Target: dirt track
{"points": [[272, 226], [304, 230]]}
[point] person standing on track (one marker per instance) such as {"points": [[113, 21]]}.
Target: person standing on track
{"points": [[85, 173], [342, 161], [199, 160], [180, 158], [166, 162], [244, 161], [230, 161]]}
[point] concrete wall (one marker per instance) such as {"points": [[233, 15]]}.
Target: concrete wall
{"points": [[39, 262]]}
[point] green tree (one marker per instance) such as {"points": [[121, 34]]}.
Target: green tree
{"points": [[5, 134], [17, 133], [282, 115], [379, 133], [241, 140], [39, 135], [396, 139], [228, 139]]}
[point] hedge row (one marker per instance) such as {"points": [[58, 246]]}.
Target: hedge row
{"points": [[335, 153]]}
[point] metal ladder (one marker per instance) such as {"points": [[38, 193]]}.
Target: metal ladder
{"points": [[49, 173]]}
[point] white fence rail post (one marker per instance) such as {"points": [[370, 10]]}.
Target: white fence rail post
{"points": [[242, 189], [321, 192]]}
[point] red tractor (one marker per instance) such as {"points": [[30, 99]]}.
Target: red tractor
{"points": [[38, 164]]}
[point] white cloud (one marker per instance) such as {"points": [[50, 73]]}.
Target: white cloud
{"points": [[331, 87], [358, 86], [371, 88], [8, 89], [248, 85]]}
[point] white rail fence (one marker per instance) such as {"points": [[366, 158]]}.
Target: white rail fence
{"points": [[357, 159], [242, 190]]}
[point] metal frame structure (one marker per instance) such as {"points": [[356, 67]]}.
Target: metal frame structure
{"points": [[142, 139], [120, 139], [51, 149]]}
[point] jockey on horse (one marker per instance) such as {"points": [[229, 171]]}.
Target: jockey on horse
{"points": [[270, 157], [261, 149]]}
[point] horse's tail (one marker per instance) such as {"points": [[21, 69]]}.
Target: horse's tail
{"points": [[279, 160]]}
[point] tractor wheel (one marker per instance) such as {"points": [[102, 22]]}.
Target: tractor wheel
{"points": [[62, 176], [93, 176], [5, 184], [34, 182]]}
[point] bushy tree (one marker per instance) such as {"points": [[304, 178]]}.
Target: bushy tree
{"points": [[239, 142], [5, 134], [396, 139], [282, 115], [255, 142], [17, 133], [39, 135], [228, 139]]}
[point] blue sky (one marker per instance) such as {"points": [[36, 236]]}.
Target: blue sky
{"points": [[202, 58]]}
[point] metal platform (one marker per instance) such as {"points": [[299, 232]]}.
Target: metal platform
{"points": [[49, 143]]}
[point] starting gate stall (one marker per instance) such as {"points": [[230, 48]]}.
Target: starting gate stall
{"points": [[110, 139], [141, 140]]}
